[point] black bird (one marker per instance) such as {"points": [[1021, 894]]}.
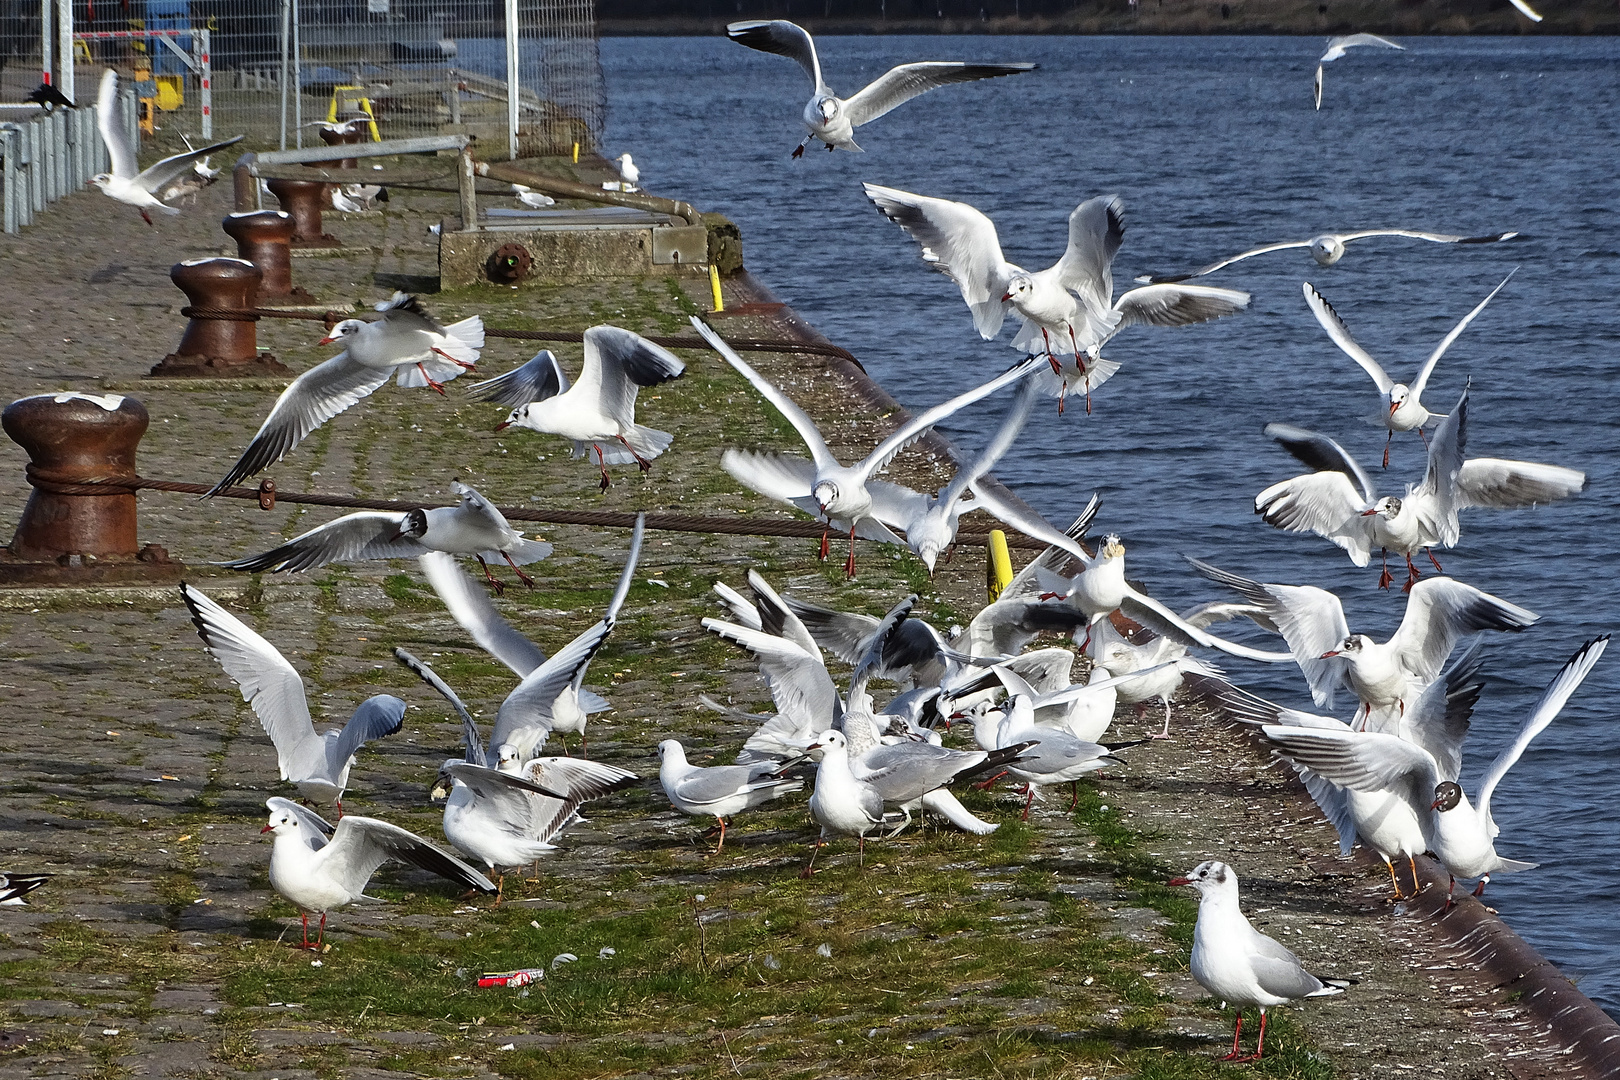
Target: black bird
{"points": [[49, 96]]}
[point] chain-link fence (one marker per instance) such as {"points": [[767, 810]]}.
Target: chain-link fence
{"points": [[278, 68]]}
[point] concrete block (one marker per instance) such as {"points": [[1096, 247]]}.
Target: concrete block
{"points": [[566, 256]]}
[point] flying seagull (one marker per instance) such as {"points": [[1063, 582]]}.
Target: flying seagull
{"points": [[1336, 48], [127, 183]]}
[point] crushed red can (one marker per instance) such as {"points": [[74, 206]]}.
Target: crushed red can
{"points": [[520, 977]]}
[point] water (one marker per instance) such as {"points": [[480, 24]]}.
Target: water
{"points": [[1215, 148]]}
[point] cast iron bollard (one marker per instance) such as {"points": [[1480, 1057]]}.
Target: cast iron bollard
{"points": [[355, 134], [302, 199], [69, 533], [263, 238], [216, 343]]}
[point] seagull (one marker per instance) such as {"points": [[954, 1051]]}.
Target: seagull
{"points": [[341, 200], [319, 866], [1439, 612], [405, 340], [551, 698], [1161, 663], [1237, 963], [1328, 249], [718, 790], [1340, 503], [629, 175], [1384, 819], [1101, 588], [1070, 302], [1463, 835], [1336, 48], [1405, 411], [473, 527], [845, 496], [1051, 755], [127, 183], [188, 184], [833, 119], [15, 886], [600, 408], [1526, 10], [317, 764], [531, 198], [841, 804]]}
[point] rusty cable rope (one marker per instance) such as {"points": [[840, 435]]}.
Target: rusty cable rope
{"points": [[267, 496]]}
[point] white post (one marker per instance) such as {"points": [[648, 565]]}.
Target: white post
{"points": [[202, 42], [512, 78], [47, 44], [298, 81], [64, 48], [286, 39]]}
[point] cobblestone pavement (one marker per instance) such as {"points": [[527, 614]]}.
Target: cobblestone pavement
{"points": [[138, 777]]}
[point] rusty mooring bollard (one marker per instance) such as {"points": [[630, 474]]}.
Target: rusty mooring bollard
{"points": [[355, 134], [221, 339], [69, 532], [303, 199], [262, 238]]}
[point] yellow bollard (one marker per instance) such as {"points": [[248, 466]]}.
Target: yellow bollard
{"points": [[576, 153], [714, 287], [998, 564]]}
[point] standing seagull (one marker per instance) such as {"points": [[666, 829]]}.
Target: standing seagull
{"points": [[832, 119], [1237, 963], [841, 804], [317, 764], [1066, 308], [844, 495], [405, 338], [127, 183], [319, 866], [718, 790], [475, 527], [1405, 411], [600, 408], [1337, 46]]}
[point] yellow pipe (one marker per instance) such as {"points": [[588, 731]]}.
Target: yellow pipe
{"points": [[998, 569], [576, 153], [714, 287]]}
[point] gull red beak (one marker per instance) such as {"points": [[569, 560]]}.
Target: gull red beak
{"points": [[1327, 655], [814, 746], [1392, 407], [326, 341], [503, 425], [1006, 298], [1179, 881], [1368, 513], [267, 828]]}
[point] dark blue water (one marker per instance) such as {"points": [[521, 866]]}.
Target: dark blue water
{"points": [[1215, 148]]}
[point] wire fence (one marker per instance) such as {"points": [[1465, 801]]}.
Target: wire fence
{"points": [[277, 68]]}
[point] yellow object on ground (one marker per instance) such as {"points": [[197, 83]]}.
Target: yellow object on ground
{"points": [[576, 153], [714, 286], [357, 103], [171, 92], [998, 565], [146, 115]]}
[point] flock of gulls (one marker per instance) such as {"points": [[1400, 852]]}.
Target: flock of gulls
{"points": [[1388, 776]]}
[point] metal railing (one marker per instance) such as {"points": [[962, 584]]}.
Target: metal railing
{"points": [[51, 154]]}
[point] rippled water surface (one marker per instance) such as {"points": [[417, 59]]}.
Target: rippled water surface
{"points": [[1215, 148]]}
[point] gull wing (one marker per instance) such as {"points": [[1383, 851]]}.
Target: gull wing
{"points": [[1029, 523], [119, 152], [540, 378], [1441, 611], [1177, 305], [1337, 46], [360, 844], [1340, 334], [900, 84], [1433, 238], [161, 174], [472, 743], [1565, 683], [1283, 245], [1324, 455], [1142, 608], [1513, 485], [1281, 975], [782, 38], [1323, 503], [871, 662], [1526, 10], [377, 717], [798, 680], [1445, 342], [618, 363], [958, 241], [913, 429], [1368, 761], [1439, 719], [366, 535], [470, 606], [314, 397], [1096, 231], [778, 616], [268, 683], [1000, 442], [785, 405], [1436, 501]]}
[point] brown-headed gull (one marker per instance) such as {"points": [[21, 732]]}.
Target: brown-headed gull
{"points": [[320, 867], [1237, 963], [833, 119], [718, 791], [1328, 249], [1336, 48], [127, 182], [1402, 406], [1440, 612], [845, 496], [404, 341], [551, 699], [1385, 820], [317, 764], [1068, 309], [1339, 502], [473, 527], [1462, 835], [600, 409]]}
